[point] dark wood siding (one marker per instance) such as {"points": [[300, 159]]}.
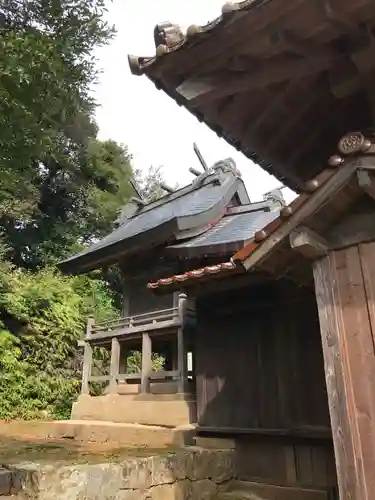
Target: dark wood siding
{"points": [[287, 463], [142, 300], [260, 367]]}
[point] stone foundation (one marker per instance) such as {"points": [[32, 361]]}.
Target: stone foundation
{"points": [[168, 410], [190, 474], [80, 431]]}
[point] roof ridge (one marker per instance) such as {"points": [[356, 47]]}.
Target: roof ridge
{"points": [[168, 37], [220, 171]]}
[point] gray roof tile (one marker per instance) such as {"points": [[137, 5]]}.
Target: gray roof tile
{"points": [[190, 201], [231, 229]]}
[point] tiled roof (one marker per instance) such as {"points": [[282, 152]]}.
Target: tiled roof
{"points": [[174, 39], [254, 48], [233, 228], [179, 207], [194, 274], [271, 234]]}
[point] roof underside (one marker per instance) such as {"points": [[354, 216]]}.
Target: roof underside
{"points": [[280, 81], [346, 186]]}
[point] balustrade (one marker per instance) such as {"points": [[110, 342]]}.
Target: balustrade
{"points": [[146, 327]]}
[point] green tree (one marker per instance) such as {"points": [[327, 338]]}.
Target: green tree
{"points": [[149, 182], [58, 184], [42, 316], [46, 68]]}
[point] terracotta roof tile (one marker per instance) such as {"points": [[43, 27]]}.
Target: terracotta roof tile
{"points": [[194, 274]]}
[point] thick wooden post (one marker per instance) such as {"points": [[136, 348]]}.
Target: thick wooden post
{"points": [[87, 358], [345, 291], [146, 362], [181, 350], [114, 366], [123, 367]]}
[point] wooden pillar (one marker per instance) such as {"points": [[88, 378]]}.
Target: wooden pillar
{"points": [[125, 298], [345, 291], [87, 358], [114, 366], [181, 350], [146, 362], [123, 365]]}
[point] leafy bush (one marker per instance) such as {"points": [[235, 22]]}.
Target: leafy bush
{"points": [[42, 316]]}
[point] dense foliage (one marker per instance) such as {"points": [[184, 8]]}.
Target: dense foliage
{"points": [[42, 318], [60, 188]]}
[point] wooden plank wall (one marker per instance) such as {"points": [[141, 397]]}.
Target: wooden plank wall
{"points": [[261, 368], [303, 463], [260, 371], [345, 287], [142, 300]]}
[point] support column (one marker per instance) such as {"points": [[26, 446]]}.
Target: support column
{"points": [[181, 350], [87, 358], [123, 366], [114, 366], [146, 363], [345, 291]]}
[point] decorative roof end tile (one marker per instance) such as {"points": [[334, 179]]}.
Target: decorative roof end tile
{"points": [[168, 34]]}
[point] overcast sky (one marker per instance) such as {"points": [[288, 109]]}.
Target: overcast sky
{"points": [[132, 111]]}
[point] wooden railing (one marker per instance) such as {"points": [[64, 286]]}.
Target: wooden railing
{"points": [[140, 323], [143, 325]]}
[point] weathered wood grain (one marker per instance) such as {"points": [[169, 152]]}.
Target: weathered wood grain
{"points": [[345, 294]]}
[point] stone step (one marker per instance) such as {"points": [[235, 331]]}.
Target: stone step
{"points": [[125, 435], [245, 490]]}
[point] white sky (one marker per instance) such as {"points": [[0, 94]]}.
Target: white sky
{"points": [[133, 112]]}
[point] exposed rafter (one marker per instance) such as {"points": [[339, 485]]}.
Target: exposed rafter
{"points": [[366, 182], [308, 243], [200, 90]]}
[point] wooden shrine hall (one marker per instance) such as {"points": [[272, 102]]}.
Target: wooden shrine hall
{"points": [[284, 337], [203, 223]]}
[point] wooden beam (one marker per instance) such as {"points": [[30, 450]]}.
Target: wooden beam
{"points": [[274, 103], [366, 183], [202, 90], [123, 363], [292, 43], [328, 116], [312, 204], [345, 291], [296, 116], [181, 348], [335, 17], [87, 358], [344, 79], [114, 365], [146, 363], [308, 243], [166, 187]]}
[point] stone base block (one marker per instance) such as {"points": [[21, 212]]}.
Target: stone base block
{"points": [[119, 435], [167, 412], [189, 474]]}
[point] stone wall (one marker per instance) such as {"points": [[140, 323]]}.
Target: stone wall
{"points": [[189, 474]]}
